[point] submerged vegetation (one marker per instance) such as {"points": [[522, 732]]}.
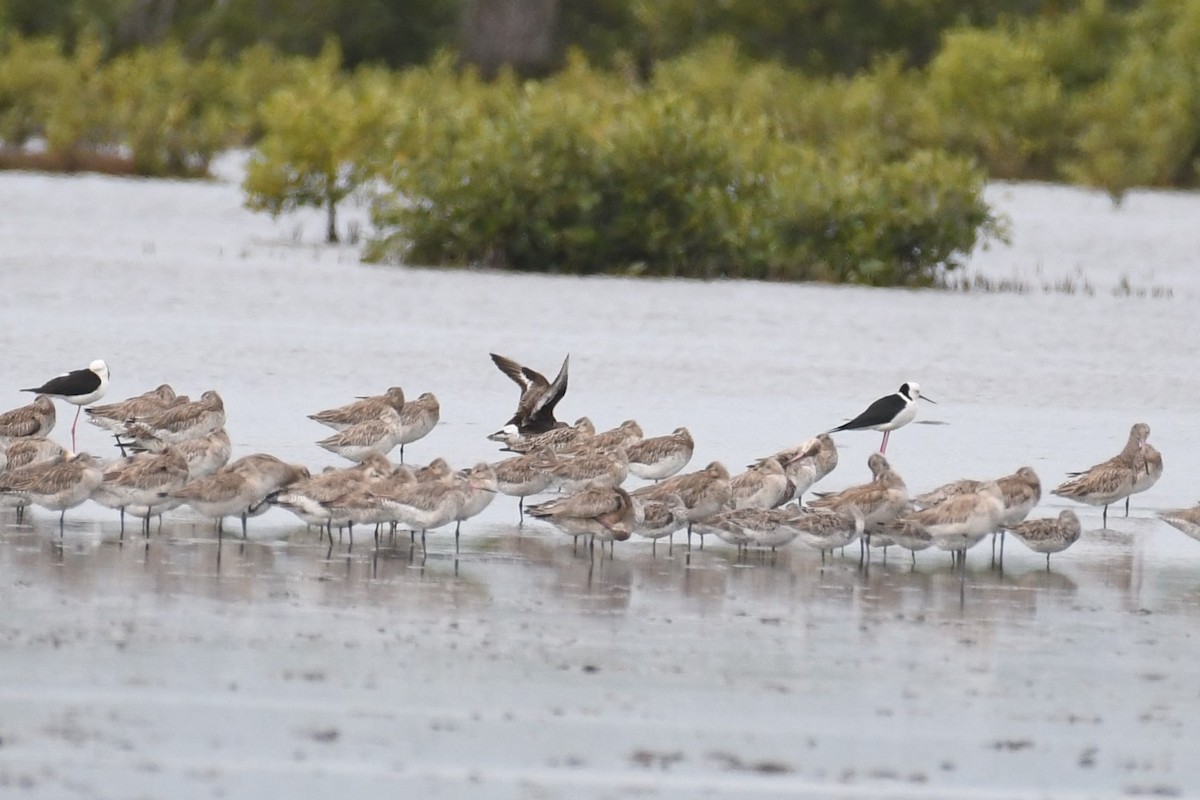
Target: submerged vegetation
{"points": [[669, 157]]}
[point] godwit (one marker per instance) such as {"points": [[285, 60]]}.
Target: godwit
{"points": [[33, 450], [879, 501], [561, 439], [1048, 535], [624, 435], [1146, 473], [35, 419], [825, 529], [606, 468], [704, 493], [962, 521], [763, 486], [479, 488], [1184, 519], [807, 463], [1022, 491], [661, 456], [417, 419], [887, 413], [361, 410], [240, 488], [654, 519], [535, 409], [525, 475], [80, 387], [142, 480], [376, 436], [114, 416], [56, 485], [308, 498], [599, 513], [178, 423], [1112, 480]]}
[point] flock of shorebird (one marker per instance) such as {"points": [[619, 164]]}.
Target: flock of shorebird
{"points": [[175, 452]]}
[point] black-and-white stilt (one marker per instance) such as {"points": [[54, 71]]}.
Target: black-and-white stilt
{"points": [[80, 386], [888, 413]]}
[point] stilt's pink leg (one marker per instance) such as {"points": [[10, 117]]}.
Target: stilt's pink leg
{"points": [[73, 424], [883, 447]]}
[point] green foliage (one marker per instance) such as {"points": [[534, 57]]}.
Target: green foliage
{"points": [[994, 96], [32, 73], [321, 137], [586, 173], [172, 114], [819, 37], [1141, 125]]}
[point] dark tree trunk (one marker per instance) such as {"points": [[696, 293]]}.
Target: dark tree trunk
{"points": [[331, 236], [516, 33]]}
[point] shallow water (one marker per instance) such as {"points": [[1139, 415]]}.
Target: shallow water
{"points": [[180, 668]]}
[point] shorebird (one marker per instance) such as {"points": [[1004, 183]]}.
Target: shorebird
{"points": [[1184, 519], [606, 468], [599, 513], [240, 488], [525, 475], [114, 416], [1112, 480], [35, 419], [1048, 535], [308, 498], [56, 485], [654, 519], [729, 526], [417, 418], [1147, 473], [878, 501], [1022, 491], [426, 505], [907, 534], [361, 410], [535, 409], [962, 521], [807, 463], [178, 423], [561, 439], [825, 529], [376, 436], [661, 456], [887, 413], [33, 450], [479, 489], [205, 455], [624, 435], [80, 387], [141, 480], [360, 505], [704, 493], [765, 485]]}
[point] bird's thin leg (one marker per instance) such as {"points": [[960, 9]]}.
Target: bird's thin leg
{"points": [[73, 424], [883, 447], [521, 510], [122, 537], [1105, 517], [1126, 514]]}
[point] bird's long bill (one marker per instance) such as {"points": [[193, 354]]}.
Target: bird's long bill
{"points": [[930, 399]]}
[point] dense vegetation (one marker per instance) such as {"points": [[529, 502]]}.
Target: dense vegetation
{"points": [[855, 152]]}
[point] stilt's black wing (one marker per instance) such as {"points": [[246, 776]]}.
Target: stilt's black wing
{"points": [[880, 412], [73, 384]]}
